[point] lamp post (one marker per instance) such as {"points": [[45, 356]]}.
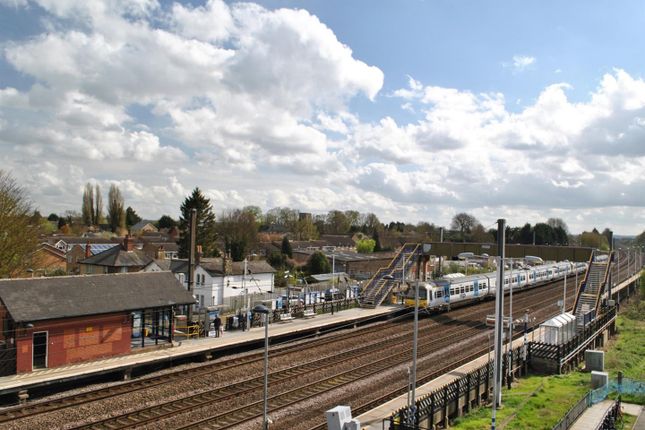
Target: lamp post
{"points": [[412, 404], [261, 309]]}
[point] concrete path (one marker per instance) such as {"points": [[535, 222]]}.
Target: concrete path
{"points": [[637, 411], [592, 416]]}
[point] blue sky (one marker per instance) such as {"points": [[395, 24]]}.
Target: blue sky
{"points": [[413, 110]]}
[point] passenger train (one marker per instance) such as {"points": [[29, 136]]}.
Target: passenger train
{"points": [[442, 293]]}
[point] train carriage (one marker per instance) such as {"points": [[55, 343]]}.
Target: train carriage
{"points": [[452, 290]]}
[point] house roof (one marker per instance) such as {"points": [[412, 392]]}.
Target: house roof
{"points": [[46, 247], [118, 257], [167, 246], [340, 240], [214, 266], [162, 264], [141, 224], [41, 299]]}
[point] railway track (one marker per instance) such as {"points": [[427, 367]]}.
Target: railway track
{"points": [[252, 409]]}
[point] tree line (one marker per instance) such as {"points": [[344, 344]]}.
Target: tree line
{"points": [[238, 231]]}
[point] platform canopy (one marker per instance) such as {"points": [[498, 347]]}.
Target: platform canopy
{"points": [[38, 299]]}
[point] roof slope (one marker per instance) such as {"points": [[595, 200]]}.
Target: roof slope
{"points": [[215, 266], [40, 299], [119, 257]]}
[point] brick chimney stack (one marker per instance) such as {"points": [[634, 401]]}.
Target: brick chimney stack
{"points": [[198, 254], [161, 255], [88, 250], [128, 243]]}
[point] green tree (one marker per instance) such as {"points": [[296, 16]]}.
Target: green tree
{"points": [[464, 223], [286, 247], [305, 229], [18, 235], [365, 246], [166, 222], [87, 208], [317, 263], [526, 234], [240, 232], [377, 241], [338, 222], [206, 232], [640, 239], [544, 234], [594, 239], [92, 207], [131, 217], [52, 217], [276, 260], [98, 206], [116, 212]]}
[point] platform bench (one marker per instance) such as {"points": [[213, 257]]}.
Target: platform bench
{"points": [[309, 313]]}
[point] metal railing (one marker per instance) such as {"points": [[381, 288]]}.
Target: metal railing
{"points": [[573, 413]]}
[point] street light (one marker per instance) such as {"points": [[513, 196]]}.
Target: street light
{"points": [[261, 309]]}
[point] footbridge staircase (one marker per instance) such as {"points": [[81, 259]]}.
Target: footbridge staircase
{"points": [[386, 278], [592, 288]]}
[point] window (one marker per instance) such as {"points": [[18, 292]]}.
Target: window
{"points": [[438, 294]]}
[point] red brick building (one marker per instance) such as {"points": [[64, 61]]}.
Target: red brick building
{"points": [[50, 322]]}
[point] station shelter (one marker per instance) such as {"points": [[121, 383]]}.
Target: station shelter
{"points": [[51, 322]]}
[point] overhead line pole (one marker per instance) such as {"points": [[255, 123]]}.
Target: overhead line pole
{"points": [[499, 311], [191, 260]]}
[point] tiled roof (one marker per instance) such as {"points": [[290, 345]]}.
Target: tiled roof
{"points": [[40, 299], [214, 266], [118, 257]]}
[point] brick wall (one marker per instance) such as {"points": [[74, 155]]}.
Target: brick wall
{"points": [[76, 339]]}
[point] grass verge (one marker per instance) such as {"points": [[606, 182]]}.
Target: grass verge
{"points": [[535, 402], [540, 402]]}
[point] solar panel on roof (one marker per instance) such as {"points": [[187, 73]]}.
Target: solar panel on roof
{"points": [[97, 248]]}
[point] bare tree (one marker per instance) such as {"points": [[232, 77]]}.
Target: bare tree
{"points": [[87, 208], [116, 212], [98, 205], [464, 223], [18, 236]]}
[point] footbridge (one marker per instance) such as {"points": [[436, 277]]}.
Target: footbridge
{"points": [[386, 278]]}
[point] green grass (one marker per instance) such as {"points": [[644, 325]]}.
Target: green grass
{"points": [[540, 402], [535, 402]]}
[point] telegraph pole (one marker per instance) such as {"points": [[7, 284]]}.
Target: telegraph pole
{"points": [[611, 260], [191, 260], [499, 311], [412, 405]]}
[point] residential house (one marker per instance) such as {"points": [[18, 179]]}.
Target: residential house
{"points": [[80, 252], [119, 259], [143, 226], [47, 259], [218, 279]]}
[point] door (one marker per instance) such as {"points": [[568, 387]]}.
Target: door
{"points": [[39, 350]]}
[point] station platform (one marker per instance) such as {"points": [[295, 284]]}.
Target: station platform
{"points": [[194, 348]]}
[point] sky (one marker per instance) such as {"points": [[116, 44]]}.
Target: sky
{"points": [[414, 110]]}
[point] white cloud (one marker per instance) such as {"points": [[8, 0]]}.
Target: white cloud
{"points": [[520, 63], [253, 105]]}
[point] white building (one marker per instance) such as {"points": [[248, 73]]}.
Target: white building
{"points": [[217, 279]]}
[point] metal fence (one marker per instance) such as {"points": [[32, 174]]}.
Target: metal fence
{"points": [[440, 399], [573, 413]]}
